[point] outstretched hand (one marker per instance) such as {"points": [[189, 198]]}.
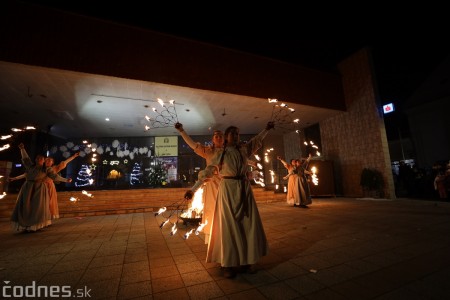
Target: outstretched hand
{"points": [[179, 126], [270, 125], [279, 157], [188, 195]]}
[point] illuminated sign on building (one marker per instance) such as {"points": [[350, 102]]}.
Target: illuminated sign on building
{"points": [[388, 108], [166, 146]]}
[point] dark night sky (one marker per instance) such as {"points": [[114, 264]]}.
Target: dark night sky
{"points": [[402, 61]]}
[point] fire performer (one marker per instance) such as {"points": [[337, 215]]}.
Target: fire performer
{"points": [[237, 237], [295, 190], [49, 163], [32, 211], [211, 187], [303, 173]]}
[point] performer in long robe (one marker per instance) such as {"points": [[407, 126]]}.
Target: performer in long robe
{"points": [[294, 189], [303, 172], [53, 202], [211, 186], [32, 211], [237, 233]]}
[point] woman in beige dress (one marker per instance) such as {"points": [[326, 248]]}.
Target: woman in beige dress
{"points": [[53, 201], [237, 238], [293, 190], [210, 186], [31, 211]]}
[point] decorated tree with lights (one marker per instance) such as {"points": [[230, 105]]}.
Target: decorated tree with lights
{"points": [[136, 174], [84, 177], [157, 176]]}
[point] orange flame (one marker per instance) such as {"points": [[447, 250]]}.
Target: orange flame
{"points": [[196, 209]]}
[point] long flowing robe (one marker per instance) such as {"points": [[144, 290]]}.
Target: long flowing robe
{"points": [[211, 187], [210, 190], [237, 233], [303, 184], [53, 198], [32, 211], [53, 194], [294, 188]]}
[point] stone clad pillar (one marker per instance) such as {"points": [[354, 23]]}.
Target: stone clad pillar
{"points": [[356, 139]]}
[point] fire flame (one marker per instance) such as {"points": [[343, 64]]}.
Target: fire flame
{"points": [[196, 209], [74, 199], [186, 236], [200, 227], [161, 210], [174, 229], [87, 194], [163, 223], [314, 177], [4, 147]]}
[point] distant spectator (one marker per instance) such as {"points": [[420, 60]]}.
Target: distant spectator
{"points": [[440, 184]]}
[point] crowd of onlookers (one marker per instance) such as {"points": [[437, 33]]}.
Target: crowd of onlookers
{"points": [[411, 181]]}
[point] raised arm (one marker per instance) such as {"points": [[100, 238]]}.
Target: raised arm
{"points": [[306, 163], [25, 158], [282, 161], [62, 165], [186, 137], [71, 158], [256, 142]]}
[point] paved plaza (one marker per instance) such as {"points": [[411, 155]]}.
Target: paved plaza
{"points": [[339, 248]]}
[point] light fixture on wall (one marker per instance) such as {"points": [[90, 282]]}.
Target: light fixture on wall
{"points": [[224, 113]]}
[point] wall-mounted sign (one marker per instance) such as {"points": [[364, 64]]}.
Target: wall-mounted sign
{"points": [[166, 145], [388, 108]]}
